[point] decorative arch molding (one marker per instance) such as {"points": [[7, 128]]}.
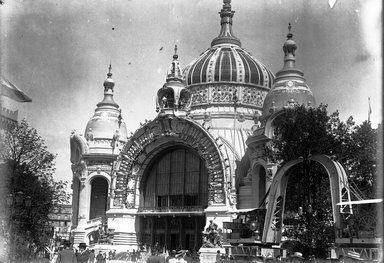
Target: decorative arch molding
{"points": [[78, 147], [268, 129], [340, 192], [260, 180], [157, 135], [98, 174]]}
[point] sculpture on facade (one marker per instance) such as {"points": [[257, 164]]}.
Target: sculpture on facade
{"points": [[212, 236]]}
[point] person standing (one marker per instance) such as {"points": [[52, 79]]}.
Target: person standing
{"points": [[83, 254], [218, 257], [134, 256], [67, 255], [100, 257], [92, 256]]}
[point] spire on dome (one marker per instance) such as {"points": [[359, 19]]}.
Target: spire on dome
{"points": [[108, 90], [226, 35], [174, 71], [289, 48], [109, 83]]}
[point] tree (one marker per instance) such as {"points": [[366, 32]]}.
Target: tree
{"points": [[360, 158], [301, 132], [29, 168]]}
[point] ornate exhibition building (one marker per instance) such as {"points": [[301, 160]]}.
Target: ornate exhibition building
{"points": [[200, 159]]}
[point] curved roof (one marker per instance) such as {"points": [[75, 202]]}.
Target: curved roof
{"points": [[227, 63]]}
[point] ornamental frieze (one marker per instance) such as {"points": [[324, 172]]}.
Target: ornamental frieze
{"points": [[147, 140], [102, 168], [224, 94]]}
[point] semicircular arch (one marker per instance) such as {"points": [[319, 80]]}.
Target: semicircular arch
{"points": [[339, 192], [157, 135]]}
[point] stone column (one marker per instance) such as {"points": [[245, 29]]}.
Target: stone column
{"points": [[83, 215]]}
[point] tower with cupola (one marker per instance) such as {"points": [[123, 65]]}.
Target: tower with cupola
{"points": [[93, 155]]}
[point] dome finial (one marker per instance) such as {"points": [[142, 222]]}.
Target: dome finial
{"points": [[175, 56], [226, 35], [289, 46], [109, 83]]}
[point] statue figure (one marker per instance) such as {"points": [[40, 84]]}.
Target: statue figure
{"points": [[212, 236]]}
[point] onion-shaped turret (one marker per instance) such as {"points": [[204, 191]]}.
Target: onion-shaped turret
{"points": [[173, 97]]}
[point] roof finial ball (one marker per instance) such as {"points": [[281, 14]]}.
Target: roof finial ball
{"points": [[289, 44], [109, 83]]}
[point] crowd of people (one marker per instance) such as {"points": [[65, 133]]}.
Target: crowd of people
{"points": [[81, 255]]}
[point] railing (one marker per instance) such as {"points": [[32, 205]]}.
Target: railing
{"points": [[171, 209]]}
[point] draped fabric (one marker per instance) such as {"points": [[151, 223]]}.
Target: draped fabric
{"points": [[177, 178]]}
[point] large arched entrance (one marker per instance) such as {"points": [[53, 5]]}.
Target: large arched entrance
{"points": [[173, 196], [99, 194]]}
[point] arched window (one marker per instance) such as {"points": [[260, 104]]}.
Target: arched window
{"points": [[177, 179], [99, 193]]}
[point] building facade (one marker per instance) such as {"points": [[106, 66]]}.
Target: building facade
{"points": [[167, 181], [200, 162], [61, 218]]}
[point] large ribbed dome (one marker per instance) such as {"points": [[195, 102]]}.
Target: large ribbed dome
{"points": [[227, 63], [226, 73]]}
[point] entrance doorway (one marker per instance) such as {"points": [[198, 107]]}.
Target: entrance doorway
{"points": [[172, 232]]}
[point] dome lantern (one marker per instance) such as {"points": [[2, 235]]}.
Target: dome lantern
{"points": [[173, 97], [109, 84]]}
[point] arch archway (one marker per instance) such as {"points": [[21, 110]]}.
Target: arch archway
{"points": [[173, 196], [154, 137], [259, 182], [276, 200]]}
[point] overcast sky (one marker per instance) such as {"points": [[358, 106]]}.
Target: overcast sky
{"points": [[58, 53]]}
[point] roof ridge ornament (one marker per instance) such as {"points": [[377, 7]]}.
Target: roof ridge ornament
{"points": [[226, 35]]}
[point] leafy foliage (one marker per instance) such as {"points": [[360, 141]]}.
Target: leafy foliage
{"points": [[308, 210], [29, 168]]}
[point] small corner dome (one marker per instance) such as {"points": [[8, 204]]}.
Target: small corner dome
{"points": [[104, 124], [289, 87], [107, 119]]}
